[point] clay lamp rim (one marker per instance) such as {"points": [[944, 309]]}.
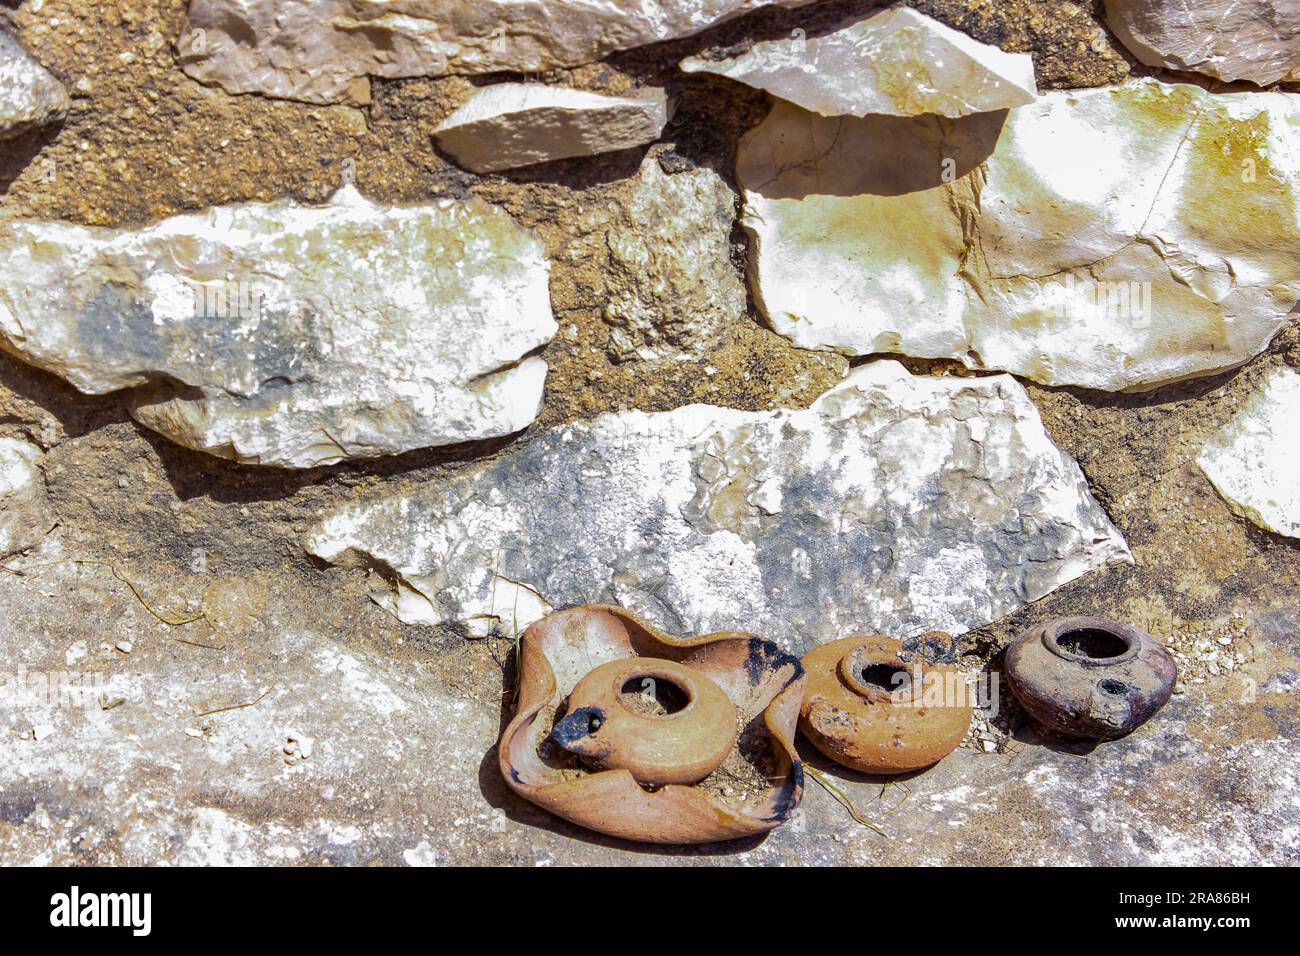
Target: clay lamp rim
{"points": [[763, 682], [867, 655], [684, 681], [1131, 639]]}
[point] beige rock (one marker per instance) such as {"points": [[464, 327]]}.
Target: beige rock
{"points": [[519, 124], [1255, 40], [1115, 238], [896, 504], [1254, 461], [671, 289], [289, 335], [30, 96], [24, 508], [324, 51], [896, 62]]}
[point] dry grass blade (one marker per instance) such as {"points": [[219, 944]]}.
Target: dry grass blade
{"points": [[222, 710], [842, 799], [201, 615], [139, 596]]}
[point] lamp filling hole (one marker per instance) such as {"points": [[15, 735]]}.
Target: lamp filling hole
{"points": [[1091, 643], [887, 677], [653, 696]]}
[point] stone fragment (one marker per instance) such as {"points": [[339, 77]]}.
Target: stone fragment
{"points": [[24, 508], [518, 124], [671, 289], [281, 334], [895, 61], [324, 51], [896, 504], [1117, 238], [1254, 461], [1255, 40], [30, 96]]}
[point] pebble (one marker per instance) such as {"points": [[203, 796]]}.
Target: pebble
{"points": [[298, 747]]}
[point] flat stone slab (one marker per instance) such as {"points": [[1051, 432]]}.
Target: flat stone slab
{"points": [[896, 504], [507, 125], [1255, 40], [896, 62], [1011, 242], [1254, 461], [325, 51], [30, 95], [289, 335], [325, 751]]}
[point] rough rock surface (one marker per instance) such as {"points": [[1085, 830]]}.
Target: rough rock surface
{"points": [[894, 505], [671, 288], [896, 62], [324, 51], [114, 744], [305, 743], [24, 509], [1255, 40], [1013, 242], [518, 124], [289, 335], [30, 95], [1254, 461]]}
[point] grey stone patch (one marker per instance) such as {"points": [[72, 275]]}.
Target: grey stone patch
{"points": [[1255, 40], [1281, 627], [1163, 796], [30, 95], [25, 514], [897, 504], [1283, 682], [289, 335], [17, 808]]}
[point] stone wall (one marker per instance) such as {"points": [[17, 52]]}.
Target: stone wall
{"points": [[265, 558]]}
